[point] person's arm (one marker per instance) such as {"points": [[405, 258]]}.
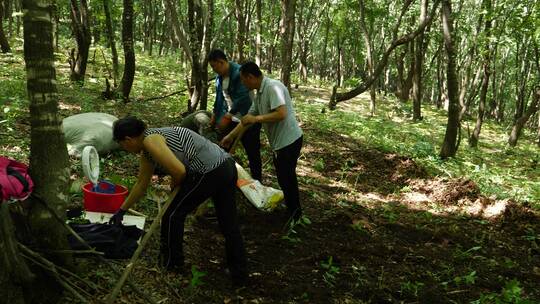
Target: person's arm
{"points": [[156, 145], [146, 169], [228, 140], [276, 115]]}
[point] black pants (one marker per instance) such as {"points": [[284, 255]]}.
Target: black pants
{"points": [[219, 184], [285, 160], [251, 140]]}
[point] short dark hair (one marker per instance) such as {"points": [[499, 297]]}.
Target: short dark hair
{"points": [[216, 54], [128, 126], [252, 68]]}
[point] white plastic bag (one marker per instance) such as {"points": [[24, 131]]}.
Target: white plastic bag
{"points": [[262, 197]]}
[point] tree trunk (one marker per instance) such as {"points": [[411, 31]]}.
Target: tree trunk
{"points": [[196, 45], [522, 59], [501, 102], [4, 44], [323, 63], [339, 60], [80, 21], [473, 141], [241, 38], [520, 122], [418, 66], [369, 55], [449, 147], [49, 167], [111, 39], [129, 51], [258, 39], [287, 27], [15, 274]]}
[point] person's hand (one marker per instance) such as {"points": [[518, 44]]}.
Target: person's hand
{"points": [[226, 142], [117, 217], [248, 119]]}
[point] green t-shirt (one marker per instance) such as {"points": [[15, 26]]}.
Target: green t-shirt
{"points": [[269, 97]]}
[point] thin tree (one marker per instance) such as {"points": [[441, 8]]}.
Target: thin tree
{"points": [[369, 54], [287, 28], [520, 122], [420, 49], [196, 44], [129, 51], [111, 39], [258, 39], [486, 8], [449, 146], [4, 44], [241, 13], [80, 22]]}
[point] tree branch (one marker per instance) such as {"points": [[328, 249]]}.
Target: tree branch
{"points": [[338, 97]]}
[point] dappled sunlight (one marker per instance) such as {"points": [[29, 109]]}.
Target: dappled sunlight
{"points": [[71, 107]]}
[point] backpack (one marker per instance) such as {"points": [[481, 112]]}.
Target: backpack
{"points": [[15, 183]]}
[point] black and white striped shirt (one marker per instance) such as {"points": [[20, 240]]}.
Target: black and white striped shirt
{"points": [[197, 153]]}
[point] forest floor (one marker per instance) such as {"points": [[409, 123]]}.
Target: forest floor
{"points": [[383, 228]]}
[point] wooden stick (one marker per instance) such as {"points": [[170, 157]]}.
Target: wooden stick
{"points": [[135, 212], [112, 296], [101, 258], [51, 267], [162, 97]]}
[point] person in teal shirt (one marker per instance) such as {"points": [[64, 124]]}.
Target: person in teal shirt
{"points": [[272, 107], [231, 104]]}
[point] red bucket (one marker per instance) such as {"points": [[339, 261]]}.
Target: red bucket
{"points": [[103, 202]]}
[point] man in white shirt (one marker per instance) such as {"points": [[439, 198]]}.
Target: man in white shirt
{"points": [[272, 107]]}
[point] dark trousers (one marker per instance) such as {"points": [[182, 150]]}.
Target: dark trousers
{"points": [[220, 185], [285, 160], [251, 140]]}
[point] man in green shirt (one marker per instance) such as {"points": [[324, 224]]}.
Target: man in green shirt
{"points": [[272, 107]]}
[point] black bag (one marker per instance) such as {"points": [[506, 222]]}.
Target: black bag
{"points": [[115, 241]]}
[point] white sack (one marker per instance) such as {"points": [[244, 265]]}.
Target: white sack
{"points": [[89, 129]]}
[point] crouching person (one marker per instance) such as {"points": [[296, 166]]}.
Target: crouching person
{"points": [[201, 170]]}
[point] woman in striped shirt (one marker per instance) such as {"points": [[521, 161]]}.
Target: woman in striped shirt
{"points": [[201, 169]]}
